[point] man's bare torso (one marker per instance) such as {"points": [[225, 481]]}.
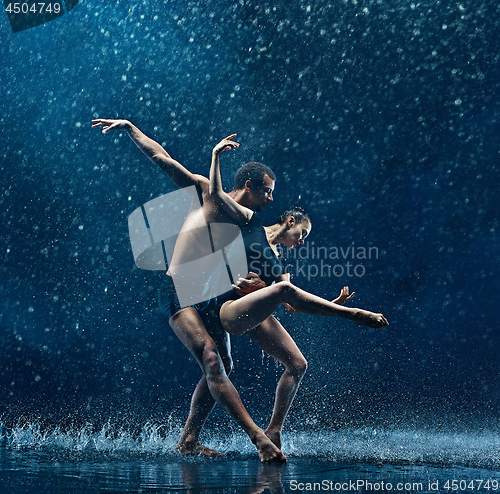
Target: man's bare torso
{"points": [[196, 239]]}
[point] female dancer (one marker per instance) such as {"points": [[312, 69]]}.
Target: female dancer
{"points": [[252, 313], [290, 230], [241, 315]]}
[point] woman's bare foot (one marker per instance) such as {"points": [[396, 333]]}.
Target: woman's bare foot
{"points": [[194, 448], [367, 318], [275, 437], [268, 452]]}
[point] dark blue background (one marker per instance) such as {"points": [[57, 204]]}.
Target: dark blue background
{"points": [[380, 118]]}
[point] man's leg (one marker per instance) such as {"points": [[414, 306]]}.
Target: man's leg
{"points": [[202, 404], [189, 328], [273, 338]]}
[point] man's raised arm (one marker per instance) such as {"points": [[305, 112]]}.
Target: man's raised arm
{"points": [[179, 175], [237, 212]]}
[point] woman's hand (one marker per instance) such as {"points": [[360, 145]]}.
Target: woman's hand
{"points": [[291, 309], [108, 124], [226, 144], [344, 296]]}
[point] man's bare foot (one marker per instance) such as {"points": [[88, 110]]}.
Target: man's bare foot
{"points": [[275, 437], [268, 452], [194, 449]]}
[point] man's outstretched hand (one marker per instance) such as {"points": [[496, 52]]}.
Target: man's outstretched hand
{"points": [[108, 124], [250, 284]]}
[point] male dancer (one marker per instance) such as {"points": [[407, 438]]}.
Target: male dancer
{"points": [[254, 190], [254, 184]]}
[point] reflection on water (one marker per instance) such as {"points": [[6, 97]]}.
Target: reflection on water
{"points": [[31, 471], [23, 471]]}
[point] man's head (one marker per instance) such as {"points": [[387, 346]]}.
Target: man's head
{"points": [[255, 182]]}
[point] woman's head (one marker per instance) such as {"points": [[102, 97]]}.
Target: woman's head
{"points": [[296, 224]]}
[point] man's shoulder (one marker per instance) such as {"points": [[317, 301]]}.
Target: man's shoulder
{"points": [[254, 223], [201, 181], [255, 219], [203, 186]]}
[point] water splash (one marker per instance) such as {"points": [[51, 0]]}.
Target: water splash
{"points": [[469, 449], [480, 450], [152, 438]]}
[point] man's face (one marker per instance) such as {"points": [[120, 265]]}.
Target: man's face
{"points": [[262, 195]]}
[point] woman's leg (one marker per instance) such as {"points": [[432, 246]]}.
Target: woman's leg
{"points": [[190, 329], [273, 338], [241, 315]]}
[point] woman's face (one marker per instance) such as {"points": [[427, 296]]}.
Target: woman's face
{"points": [[296, 233]]}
